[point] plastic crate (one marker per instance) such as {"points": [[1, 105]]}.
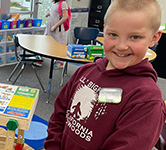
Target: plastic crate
{"points": [[2, 48], [39, 31], [94, 51], [2, 36], [4, 24], [2, 59], [10, 48], [13, 24], [10, 58], [76, 50], [21, 23], [37, 22], [27, 31], [28, 23], [10, 34]]}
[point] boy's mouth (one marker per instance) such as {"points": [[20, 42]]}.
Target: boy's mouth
{"points": [[122, 55]]}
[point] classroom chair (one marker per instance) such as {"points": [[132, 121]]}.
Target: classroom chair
{"points": [[23, 59], [85, 36]]}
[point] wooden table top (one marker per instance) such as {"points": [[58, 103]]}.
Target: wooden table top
{"points": [[46, 46]]}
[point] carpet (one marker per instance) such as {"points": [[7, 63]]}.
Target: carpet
{"points": [[37, 133]]}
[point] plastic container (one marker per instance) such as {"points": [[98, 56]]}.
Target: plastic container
{"points": [[10, 58], [10, 34], [2, 48], [10, 48], [37, 22], [21, 23], [76, 50], [28, 23], [94, 51], [2, 59], [13, 24], [4, 24]]}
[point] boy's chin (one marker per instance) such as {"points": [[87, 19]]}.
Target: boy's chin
{"points": [[121, 66], [116, 66]]}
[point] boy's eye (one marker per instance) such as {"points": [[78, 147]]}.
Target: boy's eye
{"points": [[113, 35], [135, 37]]}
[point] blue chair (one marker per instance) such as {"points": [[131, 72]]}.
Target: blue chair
{"points": [[85, 36]]}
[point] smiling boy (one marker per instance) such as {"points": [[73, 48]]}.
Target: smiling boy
{"points": [[114, 103]]}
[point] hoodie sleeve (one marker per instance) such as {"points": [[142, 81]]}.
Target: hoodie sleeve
{"points": [[131, 131]]}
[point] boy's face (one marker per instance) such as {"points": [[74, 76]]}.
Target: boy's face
{"points": [[127, 37]]}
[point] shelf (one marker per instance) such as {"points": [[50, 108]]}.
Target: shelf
{"points": [[7, 47]]}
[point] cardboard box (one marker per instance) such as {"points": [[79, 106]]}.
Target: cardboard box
{"points": [[94, 51], [76, 51]]}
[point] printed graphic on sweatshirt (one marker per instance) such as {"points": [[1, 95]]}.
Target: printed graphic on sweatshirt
{"points": [[83, 103]]}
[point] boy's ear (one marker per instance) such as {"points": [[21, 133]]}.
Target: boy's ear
{"points": [[156, 38]]}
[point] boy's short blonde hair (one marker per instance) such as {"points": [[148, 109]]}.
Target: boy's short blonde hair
{"points": [[150, 7]]}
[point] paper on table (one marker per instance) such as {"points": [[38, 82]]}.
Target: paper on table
{"points": [[162, 27], [147, 53]]}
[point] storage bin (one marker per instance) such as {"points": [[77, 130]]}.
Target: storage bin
{"points": [[28, 23], [10, 34], [10, 48], [26, 31], [94, 51], [2, 59], [10, 58], [13, 24], [76, 51], [4, 24], [21, 23], [2, 48], [37, 22], [2, 35]]}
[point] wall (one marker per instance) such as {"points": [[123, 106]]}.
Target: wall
{"points": [[163, 9]]}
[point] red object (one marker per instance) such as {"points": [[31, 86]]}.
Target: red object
{"points": [[67, 21], [18, 147]]}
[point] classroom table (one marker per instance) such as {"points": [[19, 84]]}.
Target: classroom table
{"points": [[46, 46]]}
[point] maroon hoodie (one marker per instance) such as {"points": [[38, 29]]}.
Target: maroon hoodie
{"points": [[81, 122]]}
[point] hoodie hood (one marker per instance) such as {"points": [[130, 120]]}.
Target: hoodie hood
{"points": [[144, 68]]}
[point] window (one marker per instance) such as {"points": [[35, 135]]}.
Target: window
{"points": [[24, 7]]}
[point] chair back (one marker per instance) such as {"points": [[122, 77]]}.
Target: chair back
{"points": [[16, 44], [85, 35]]}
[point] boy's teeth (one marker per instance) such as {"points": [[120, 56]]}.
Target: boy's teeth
{"points": [[121, 55]]}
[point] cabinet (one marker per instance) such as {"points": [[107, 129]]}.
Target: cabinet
{"points": [[97, 11], [7, 47]]}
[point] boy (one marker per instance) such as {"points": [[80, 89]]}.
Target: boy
{"points": [[114, 103]]}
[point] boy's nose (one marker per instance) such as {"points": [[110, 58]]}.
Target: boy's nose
{"points": [[122, 45]]}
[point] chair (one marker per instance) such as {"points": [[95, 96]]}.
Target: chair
{"points": [[85, 36], [22, 60]]}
